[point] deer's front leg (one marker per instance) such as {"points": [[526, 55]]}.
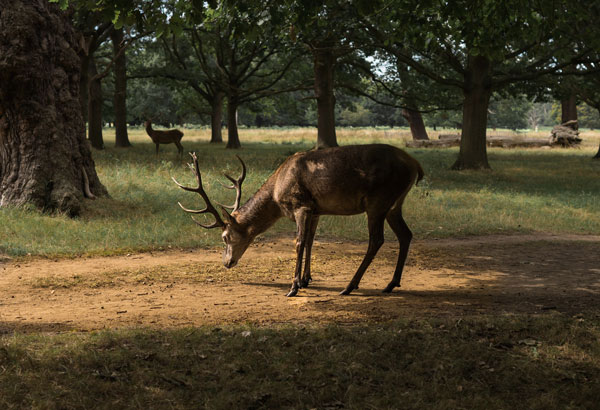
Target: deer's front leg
{"points": [[306, 277], [303, 218]]}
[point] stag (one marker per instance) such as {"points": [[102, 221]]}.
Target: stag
{"points": [[344, 180], [164, 137]]}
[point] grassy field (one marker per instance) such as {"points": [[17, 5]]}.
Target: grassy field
{"points": [[512, 361], [548, 362], [528, 190]]}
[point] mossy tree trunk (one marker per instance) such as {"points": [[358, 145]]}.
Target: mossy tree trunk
{"points": [[43, 151]]}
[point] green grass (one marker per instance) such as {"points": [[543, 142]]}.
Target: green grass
{"points": [[547, 362], [528, 190]]}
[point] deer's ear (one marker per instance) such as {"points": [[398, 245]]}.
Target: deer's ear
{"points": [[226, 217]]}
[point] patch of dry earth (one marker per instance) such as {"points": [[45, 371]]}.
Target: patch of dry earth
{"points": [[451, 277]]}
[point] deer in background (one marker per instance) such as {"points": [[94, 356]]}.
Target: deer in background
{"points": [[344, 180], [164, 137]]}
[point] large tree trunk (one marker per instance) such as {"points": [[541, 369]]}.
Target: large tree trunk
{"points": [[95, 106], [324, 63], [568, 108], [43, 152], [120, 97], [477, 93], [415, 121], [216, 117], [233, 138]]}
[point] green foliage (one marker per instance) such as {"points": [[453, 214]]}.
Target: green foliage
{"points": [[508, 113], [355, 116], [588, 116]]}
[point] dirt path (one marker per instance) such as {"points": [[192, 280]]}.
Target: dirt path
{"points": [[487, 275]]}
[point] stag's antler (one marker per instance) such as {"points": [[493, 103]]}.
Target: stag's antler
{"points": [[209, 207], [237, 185]]}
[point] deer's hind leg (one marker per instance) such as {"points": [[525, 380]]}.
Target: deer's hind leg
{"points": [[179, 148], [404, 236], [310, 237], [375, 241]]}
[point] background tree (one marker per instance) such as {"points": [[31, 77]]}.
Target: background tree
{"points": [[481, 47], [120, 91], [588, 89], [539, 114], [330, 31], [510, 112], [95, 33]]}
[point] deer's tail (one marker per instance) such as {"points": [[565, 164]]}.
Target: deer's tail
{"points": [[420, 172], [416, 170]]}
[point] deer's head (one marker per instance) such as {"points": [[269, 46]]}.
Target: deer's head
{"points": [[235, 237]]}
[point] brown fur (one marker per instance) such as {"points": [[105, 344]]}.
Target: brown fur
{"points": [[164, 137], [344, 180]]}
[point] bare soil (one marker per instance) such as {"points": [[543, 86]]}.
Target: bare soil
{"points": [[492, 275]]}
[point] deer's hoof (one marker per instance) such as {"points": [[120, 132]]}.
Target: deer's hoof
{"points": [[390, 287], [347, 291], [305, 282], [292, 292]]}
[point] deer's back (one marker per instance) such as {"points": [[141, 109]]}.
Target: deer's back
{"points": [[165, 137], [345, 180]]}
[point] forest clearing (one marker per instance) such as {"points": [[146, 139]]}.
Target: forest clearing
{"points": [[442, 157], [501, 284]]}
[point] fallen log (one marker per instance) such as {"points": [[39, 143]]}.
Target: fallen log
{"points": [[566, 134], [502, 142]]}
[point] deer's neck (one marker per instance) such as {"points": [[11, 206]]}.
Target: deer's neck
{"points": [[149, 129], [260, 212]]}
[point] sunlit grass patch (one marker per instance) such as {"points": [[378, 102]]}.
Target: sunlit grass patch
{"points": [[527, 190]]}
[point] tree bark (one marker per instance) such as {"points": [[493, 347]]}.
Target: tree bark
{"points": [[216, 117], [324, 63], [83, 84], [597, 156], [415, 121], [568, 108], [477, 93], [120, 96], [95, 106], [43, 151], [233, 138]]}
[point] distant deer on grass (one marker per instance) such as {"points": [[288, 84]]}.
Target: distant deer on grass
{"points": [[164, 137], [344, 180]]}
